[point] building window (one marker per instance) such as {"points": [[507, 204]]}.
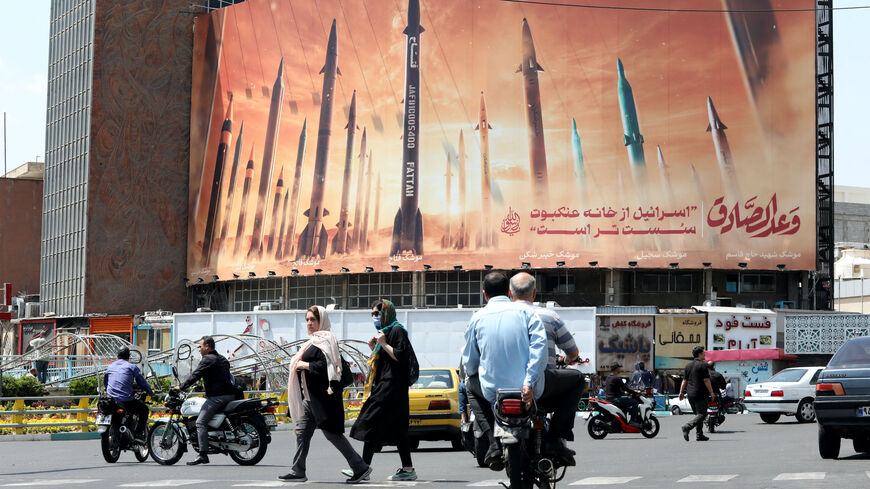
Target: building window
{"points": [[252, 293], [451, 288], [155, 340], [731, 281], [652, 283], [753, 282], [366, 288]]}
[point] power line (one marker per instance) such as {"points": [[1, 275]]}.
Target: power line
{"points": [[690, 10]]}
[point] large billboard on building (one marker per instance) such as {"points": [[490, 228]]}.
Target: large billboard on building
{"points": [[329, 135]]}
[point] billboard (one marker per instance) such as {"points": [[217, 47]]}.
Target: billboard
{"points": [[329, 136], [676, 336], [740, 328], [625, 340]]}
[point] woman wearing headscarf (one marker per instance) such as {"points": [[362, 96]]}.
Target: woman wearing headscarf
{"points": [[314, 398], [383, 419]]}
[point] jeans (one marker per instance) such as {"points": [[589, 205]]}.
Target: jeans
{"points": [[699, 405], [305, 427], [209, 409], [562, 391], [141, 411], [41, 370], [463, 399], [628, 406]]}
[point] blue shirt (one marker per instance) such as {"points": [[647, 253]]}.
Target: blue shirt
{"points": [[557, 334], [506, 346], [120, 378]]}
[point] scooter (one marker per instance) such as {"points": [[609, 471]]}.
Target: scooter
{"points": [[715, 414], [604, 418], [116, 426]]}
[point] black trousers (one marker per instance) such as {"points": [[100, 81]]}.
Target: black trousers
{"points": [[699, 405], [628, 406], [562, 391], [138, 408], [483, 413]]}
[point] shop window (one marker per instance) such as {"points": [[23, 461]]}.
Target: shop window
{"points": [[753, 282], [731, 281]]}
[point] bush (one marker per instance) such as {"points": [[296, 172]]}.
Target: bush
{"points": [[84, 387], [161, 384], [23, 387]]}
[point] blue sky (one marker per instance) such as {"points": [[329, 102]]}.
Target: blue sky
{"points": [[24, 61]]}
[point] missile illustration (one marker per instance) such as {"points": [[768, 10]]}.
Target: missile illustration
{"points": [[377, 205], [529, 67], [288, 247], [462, 236], [753, 28], [279, 247], [243, 213], [276, 205], [723, 151], [665, 177], [579, 169], [269, 149], [313, 240], [364, 235], [631, 129], [447, 239], [353, 239], [339, 241], [702, 197], [485, 238], [217, 184], [231, 188], [408, 225]]}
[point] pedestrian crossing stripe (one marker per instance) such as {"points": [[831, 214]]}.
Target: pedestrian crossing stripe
{"points": [[166, 483], [55, 482], [601, 481], [490, 483], [708, 478], [800, 476]]}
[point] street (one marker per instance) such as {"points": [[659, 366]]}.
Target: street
{"points": [[746, 453]]}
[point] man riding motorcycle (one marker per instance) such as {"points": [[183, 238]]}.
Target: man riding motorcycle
{"points": [[614, 388], [120, 379]]}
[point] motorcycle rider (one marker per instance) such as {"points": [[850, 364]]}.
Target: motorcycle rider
{"points": [[505, 347], [641, 377], [614, 390], [120, 379], [214, 370]]}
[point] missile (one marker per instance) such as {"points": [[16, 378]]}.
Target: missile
{"points": [[353, 240], [279, 190], [408, 225], [756, 39], [364, 235], [529, 67], [339, 241], [447, 240], [314, 239], [723, 151], [269, 149], [665, 176], [702, 197], [231, 188], [485, 177], [289, 244], [579, 169], [279, 248], [217, 184], [377, 204], [462, 237], [243, 213], [631, 129]]}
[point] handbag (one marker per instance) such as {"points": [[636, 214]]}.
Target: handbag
{"points": [[346, 374]]}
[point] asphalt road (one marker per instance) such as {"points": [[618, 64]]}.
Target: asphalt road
{"points": [[745, 453]]}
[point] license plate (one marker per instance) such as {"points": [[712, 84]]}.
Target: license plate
{"points": [[270, 420], [863, 411], [761, 391], [104, 419], [415, 421]]}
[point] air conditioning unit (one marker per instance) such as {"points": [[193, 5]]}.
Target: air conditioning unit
{"points": [[31, 309]]}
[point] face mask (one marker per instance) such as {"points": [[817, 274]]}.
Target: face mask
{"points": [[377, 322]]}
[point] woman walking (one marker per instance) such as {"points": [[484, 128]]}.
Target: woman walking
{"points": [[383, 419], [314, 398]]}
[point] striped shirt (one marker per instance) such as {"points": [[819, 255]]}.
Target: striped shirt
{"points": [[557, 334]]}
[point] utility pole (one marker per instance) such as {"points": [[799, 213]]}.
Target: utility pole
{"points": [[4, 150]]}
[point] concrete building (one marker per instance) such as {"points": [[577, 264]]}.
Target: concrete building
{"points": [[852, 295], [20, 221], [851, 217]]}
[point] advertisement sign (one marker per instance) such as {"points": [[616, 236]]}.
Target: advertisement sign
{"points": [[676, 336], [740, 329], [30, 331], [625, 340], [445, 133]]}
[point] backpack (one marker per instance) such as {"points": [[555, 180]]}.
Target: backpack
{"points": [[346, 374]]}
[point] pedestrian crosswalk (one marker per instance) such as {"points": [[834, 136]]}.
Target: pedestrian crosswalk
{"points": [[709, 480]]}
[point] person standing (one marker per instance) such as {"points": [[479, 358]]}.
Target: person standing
{"points": [[641, 378], [314, 396], [214, 370], [698, 388], [120, 379], [40, 361], [383, 418]]}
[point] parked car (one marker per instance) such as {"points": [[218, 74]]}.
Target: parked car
{"points": [[843, 399], [434, 407], [678, 407], [790, 392]]}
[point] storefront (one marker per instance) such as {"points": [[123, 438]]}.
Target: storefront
{"points": [[121, 326]]}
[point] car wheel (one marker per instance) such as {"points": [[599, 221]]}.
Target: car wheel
{"points": [[806, 412], [861, 445], [676, 411], [770, 417], [829, 443]]}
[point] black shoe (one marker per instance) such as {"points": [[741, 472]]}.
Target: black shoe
{"points": [[359, 477], [701, 437], [494, 459], [202, 459], [686, 430], [291, 477], [559, 448]]}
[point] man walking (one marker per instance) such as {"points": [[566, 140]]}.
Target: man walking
{"points": [[697, 386]]}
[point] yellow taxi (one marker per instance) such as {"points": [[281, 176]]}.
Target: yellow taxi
{"points": [[434, 407]]}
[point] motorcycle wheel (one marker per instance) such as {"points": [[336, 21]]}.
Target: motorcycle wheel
{"points": [[481, 445], [514, 466], [597, 428], [141, 452], [110, 445], [173, 449], [650, 428], [258, 445], [711, 425]]}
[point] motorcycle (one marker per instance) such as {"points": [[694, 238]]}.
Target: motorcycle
{"points": [[521, 434], [116, 428], [241, 429], [606, 418], [474, 439]]}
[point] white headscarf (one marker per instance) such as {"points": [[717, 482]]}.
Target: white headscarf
{"points": [[325, 340]]}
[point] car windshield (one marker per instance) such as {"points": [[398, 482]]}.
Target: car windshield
{"points": [[788, 375], [434, 379], [855, 353]]}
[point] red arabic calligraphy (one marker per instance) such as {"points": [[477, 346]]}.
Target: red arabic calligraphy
{"points": [[759, 222], [510, 225]]}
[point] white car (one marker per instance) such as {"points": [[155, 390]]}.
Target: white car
{"points": [[790, 392], [678, 407]]}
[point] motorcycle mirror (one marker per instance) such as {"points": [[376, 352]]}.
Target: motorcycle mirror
{"points": [[175, 372]]}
